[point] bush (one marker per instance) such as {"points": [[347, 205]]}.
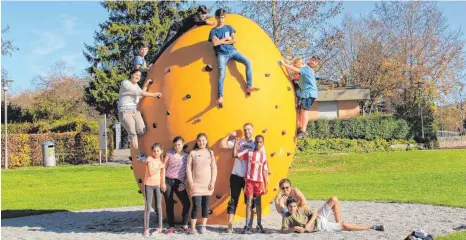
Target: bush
{"points": [[367, 128], [58, 126], [337, 145], [70, 148]]}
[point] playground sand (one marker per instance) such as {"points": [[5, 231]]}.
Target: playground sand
{"points": [[126, 223]]}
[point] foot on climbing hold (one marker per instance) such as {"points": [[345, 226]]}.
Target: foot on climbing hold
{"points": [[168, 70], [252, 89], [208, 68]]}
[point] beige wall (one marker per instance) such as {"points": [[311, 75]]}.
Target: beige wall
{"points": [[348, 109], [314, 112]]}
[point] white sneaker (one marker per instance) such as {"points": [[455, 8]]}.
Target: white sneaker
{"points": [[142, 158]]}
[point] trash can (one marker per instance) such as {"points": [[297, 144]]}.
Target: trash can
{"points": [[48, 154]]}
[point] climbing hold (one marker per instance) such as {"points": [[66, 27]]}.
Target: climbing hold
{"points": [[150, 81], [276, 106], [139, 180], [288, 154], [270, 173], [139, 191], [218, 196], [168, 70], [289, 167], [267, 75], [283, 132], [158, 96], [289, 88], [154, 125], [275, 189], [264, 131], [130, 158], [198, 120], [131, 167], [210, 211], [169, 113], [188, 96], [208, 68], [220, 105], [272, 154]]}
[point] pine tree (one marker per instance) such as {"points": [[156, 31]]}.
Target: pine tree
{"points": [[115, 45]]}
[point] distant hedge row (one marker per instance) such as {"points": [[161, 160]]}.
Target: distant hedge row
{"points": [[367, 128], [76, 142], [313, 145]]}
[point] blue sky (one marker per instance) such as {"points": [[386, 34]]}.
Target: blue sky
{"points": [[48, 32]]}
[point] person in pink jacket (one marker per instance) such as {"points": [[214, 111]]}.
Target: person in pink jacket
{"points": [[201, 174]]}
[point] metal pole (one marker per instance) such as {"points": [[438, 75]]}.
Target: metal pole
{"points": [[100, 157], [6, 124], [420, 109], [106, 144]]}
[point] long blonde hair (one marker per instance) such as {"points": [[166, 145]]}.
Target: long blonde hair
{"points": [[299, 63]]}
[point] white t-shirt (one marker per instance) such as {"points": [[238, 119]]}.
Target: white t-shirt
{"points": [[240, 167], [129, 94]]}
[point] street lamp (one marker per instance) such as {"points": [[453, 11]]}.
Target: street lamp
{"points": [[419, 86], [5, 83]]}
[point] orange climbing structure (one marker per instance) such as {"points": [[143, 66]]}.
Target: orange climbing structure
{"points": [[188, 106]]}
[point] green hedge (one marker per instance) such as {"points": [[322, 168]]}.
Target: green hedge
{"points": [[337, 145], [70, 148], [367, 128], [58, 126]]}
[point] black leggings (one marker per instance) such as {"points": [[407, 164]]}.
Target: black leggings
{"points": [[172, 187], [236, 184], [199, 201]]}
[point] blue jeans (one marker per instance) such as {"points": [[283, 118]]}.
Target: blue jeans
{"points": [[222, 65]]}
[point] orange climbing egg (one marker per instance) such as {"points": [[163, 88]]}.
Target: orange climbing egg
{"points": [[187, 73]]}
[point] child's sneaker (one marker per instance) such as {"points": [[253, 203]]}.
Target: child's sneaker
{"points": [[260, 229], [378, 228], [170, 230], [146, 233], [142, 158], [185, 229], [203, 230], [192, 231], [246, 230]]}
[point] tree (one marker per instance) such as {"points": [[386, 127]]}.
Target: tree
{"points": [[298, 28], [7, 48], [111, 58], [59, 95]]}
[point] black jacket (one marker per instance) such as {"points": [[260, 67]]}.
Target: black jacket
{"points": [[188, 22]]}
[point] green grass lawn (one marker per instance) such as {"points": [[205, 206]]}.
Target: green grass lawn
{"points": [[453, 236], [432, 177], [35, 190]]}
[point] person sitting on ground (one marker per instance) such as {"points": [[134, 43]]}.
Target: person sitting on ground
{"points": [[256, 180], [307, 92], [286, 192], [180, 27], [305, 220], [130, 117], [139, 61], [223, 38]]}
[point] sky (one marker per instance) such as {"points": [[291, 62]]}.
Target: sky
{"points": [[48, 32]]}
